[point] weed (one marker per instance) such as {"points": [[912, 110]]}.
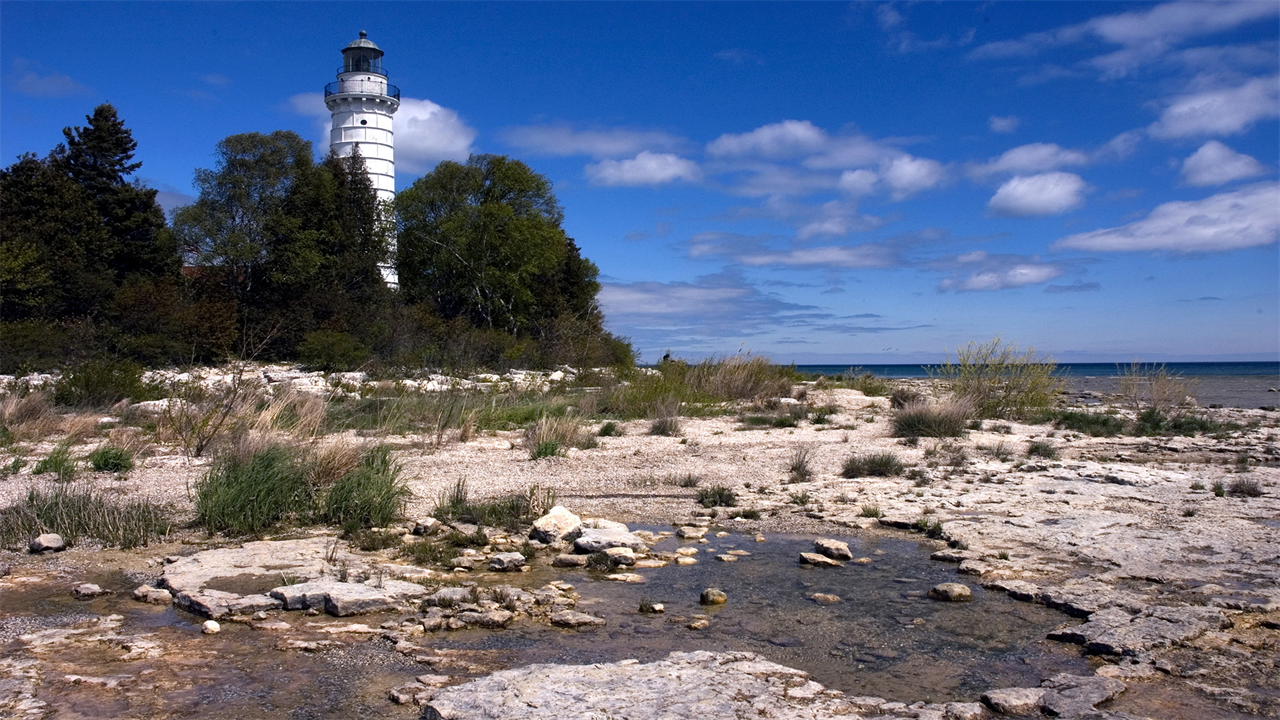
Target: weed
{"points": [[1219, 489], [1152, 387], [551, 435], [1002, 429], [800, 498], [102, 383], [822, 415], [668, 426], [931, 527], [510, 511], [610, 429], [1188, 512], [750, 514], [798, 469], [110, 459], [872, 511], [717, 496], [688, 480], [14, 467], [546, 448], [27, 417], [1003, 555], [865, 383], [475, 539], [370, 540], [1246, 487], [1095, 424], [777, 421], [999, 381], [372, 494], [1197, 485], [75, 512], [1242, 462], [247, 495], [599, 561], [904, 396], [648, 606], [943, 419], [1041, 448], [1000, 451], [884, 464], [58, 462]]}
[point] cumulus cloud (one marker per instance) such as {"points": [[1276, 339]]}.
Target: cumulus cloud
{"points": [[979, 271], [858, 182], [1215, 164], [563, 140], [425, 133], [1045, 194], [1227, 221], [1005, 124], [1144, 36], [906, 175], [646, 168], [1220, 112], [788, 138], [35, 80], [1032, 158], [761, 251]]}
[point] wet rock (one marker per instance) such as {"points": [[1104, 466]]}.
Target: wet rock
{"points": [[87, 591], [48, 542], [682, 686], [427, 526], [487, 619], [1114, 631], [684, 560], [575, 619], [506, 562], [1014, 701], [1073, 695], [570, 561], [834, 549], [621, 556], [951, 592], [450, 597], [633, 578], [825, 598], [217, 604], [405, 694], [344, 599], [965, 711], [155, 596], [713, 596], [600, 539], [691, 532], [819, 560], [727, 558], [699, 624], [555, 526], [210, 627]]}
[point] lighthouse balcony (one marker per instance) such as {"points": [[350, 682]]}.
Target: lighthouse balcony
{"points": [[362, 87]]}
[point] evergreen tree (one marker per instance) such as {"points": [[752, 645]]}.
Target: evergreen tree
{"points": [[99, 158]]}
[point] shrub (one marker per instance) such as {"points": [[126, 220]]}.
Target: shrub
{"points": [[242, 495], [510, 511], [872, 511], [1041, 448], [1095, 424], [688, 480], [332, 351], [943, 419], [904, 396], [610, 429], [822, 415], [668, 426], [800, 498], [370, 540], [371, 495], [59, 462], [1154, 421], [552, 435], [1000, 381], [1246, 487], [1153, 387], [424, 552], [75, 513], [798, 469], [717, 496], [111, 459], [884, 464], [1000, 451], [102, 383], [865, 383], [750, 514], [1219, 489], [931, 527]]}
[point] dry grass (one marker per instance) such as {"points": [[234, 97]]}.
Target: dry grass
{"points": [[79, 426], [553, 436], [131, 440], [28, 418], [1154, 388], [942, 419], [1000, 381]]}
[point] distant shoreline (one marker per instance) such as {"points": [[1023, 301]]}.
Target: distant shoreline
{"points": [[1066, 370]]}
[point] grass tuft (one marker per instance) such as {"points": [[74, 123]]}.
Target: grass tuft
{"points": [[999, 381], [668, 426], [75, 513], [884, 464], [1095, 424], [510, 511], [1246, 487], [1043, 449], [872, 511], [717, 496], [58, 462], [799, 469], [610, 429], [111, 459], [943, 419]]}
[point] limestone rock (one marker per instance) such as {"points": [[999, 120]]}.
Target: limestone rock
{"points": [[344, 599], [506, 562], [210, 627], [48, 542], [819, 560], [600, 539], [87, 591], [155, 596], [575, 619], [951, 592], [1014, 701], [487, 619], [570, 561], [1072, 695], [834, 549], [713, 596], [683, 686], [621, 556], [690, 532], [426, 526], [825, 598], [555, 526], [450, 597], [965, 711]]}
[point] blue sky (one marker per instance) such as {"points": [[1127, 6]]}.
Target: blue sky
{"points": [[817, 182]]}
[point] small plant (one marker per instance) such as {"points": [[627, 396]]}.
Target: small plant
{"points": [[750, 514], [599, 561], [800, 498], [688, 480], [110, 459], [931, 527], [546, 448], [371, 495], [1188, 512], [798, 470], [433, 553], [610, 429], [552, 435], [14, 467], [667, 426], [58, 462], [1219, 489], [943, 419], [904, 396], [370, 540], [76, 512], [1246, 487], [717, 496], [1242, 462], [885, 464], [1003, 555], [1043, 449], [1197, 485], [865, 383], [822, 415], [1000, 451], [648, 606], [872, 511], [476, 539], [1095, 424]]}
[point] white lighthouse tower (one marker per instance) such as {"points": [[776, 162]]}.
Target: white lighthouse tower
{"points": [[362, 103]]}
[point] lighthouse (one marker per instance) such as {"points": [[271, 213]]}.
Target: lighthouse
{"points": [[361, 103]]}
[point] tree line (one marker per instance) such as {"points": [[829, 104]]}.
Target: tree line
{"points": [[278, 259]]}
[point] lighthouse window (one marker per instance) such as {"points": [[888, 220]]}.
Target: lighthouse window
{"points": [[364, 122]]}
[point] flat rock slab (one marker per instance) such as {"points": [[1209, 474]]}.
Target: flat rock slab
{"points": [[601, 539], [834, 549], [683, 686], [343, 599], [817, 560]]}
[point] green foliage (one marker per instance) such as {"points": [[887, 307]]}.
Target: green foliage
{"points": [[1042, 448], [75, 513], [1095, 424], [943, 419], [511, 511], [111, 459], [58, 462], [1246, 487], [370, 540], [799, 470], [425, 552], [748, 514], [931, 527], [865, 383], [703, 389], [372, 494], [332, 351], [668, 426], [885, 464], [102, 383], [1000, 381], [717, 496], [800, 498], [1219, 489], [610, 429], [1153, 421], [872, 511]]}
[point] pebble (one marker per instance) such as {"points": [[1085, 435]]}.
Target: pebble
{"points": [[210, 627], [713, 596]]}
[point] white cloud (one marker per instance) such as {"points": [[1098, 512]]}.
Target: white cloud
{"points": [[1005, 124], [1220, 112], [788, 138], [563, 140], [645, 168], [427, 133], [850, 152], [1045, 194], [1014, 276], [30, 78], [1215, 164], [836, 218], [1229, 221], [858, 182], [835, 256], [1032, 158], [906, 175]]}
